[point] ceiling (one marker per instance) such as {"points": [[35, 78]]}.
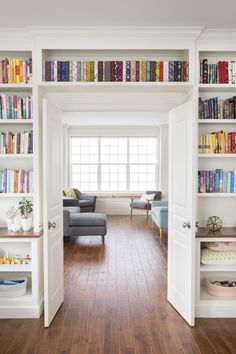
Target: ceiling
{"points": [[118, 13]]}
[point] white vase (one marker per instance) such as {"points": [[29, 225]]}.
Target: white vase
{"points": [[26, 224]]}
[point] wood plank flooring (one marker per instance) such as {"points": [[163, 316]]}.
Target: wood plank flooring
{"points": [[115, 303]]}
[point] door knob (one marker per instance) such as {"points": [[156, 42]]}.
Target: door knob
{"points": [[186, 224], [51, 225]]}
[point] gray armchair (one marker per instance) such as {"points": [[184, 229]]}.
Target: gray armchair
{"points": [[144, 204], [86, 202]]}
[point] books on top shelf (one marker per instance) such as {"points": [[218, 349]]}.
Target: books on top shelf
{"points": [[16, 143], [15, 71], [217, 108], [219, 142], [217, 181], [16, 107], [223, 72], [16, 181], [115, 71]]}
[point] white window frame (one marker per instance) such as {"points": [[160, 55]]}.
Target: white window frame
{"points": [[128, 164]]}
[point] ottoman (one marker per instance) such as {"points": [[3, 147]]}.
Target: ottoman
{"points": [[84, 224]]}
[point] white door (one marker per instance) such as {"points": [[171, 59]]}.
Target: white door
{"points": [[181, 228], [52, 211]]}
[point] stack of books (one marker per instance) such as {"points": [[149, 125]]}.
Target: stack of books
{"points": [[223, 72], [217, 181], [116, 71], [216, 108], [16, 181], [16, 143], [217, 143], [15, 71], [15, 107]]}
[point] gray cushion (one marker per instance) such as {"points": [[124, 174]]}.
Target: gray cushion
{"points": [[87, 219], [139, 205], [85, 203], [72, 209]]}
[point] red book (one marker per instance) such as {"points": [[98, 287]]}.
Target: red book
{"points": [[234, 142], [100, 71], [137, 71], [67, 71], [47, 71], [161, 79], [120, 71], [112, 71], [153, 71]]}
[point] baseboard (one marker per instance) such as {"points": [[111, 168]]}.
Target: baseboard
{"points": [[211, 311]]}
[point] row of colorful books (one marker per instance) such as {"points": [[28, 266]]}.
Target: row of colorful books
{"points": [[117, 71], [217, 108], [16, 107], [16, 181], [15, 71], [217, 181], [16, 143], [223, 72], [217, 143]]}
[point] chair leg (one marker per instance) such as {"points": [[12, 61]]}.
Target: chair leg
{"points": [[161, 233], [103, 238], [147, 213], [131, 213]]}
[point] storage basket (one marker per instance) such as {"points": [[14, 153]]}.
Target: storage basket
{"points": [[13, 288], [219, 290]]}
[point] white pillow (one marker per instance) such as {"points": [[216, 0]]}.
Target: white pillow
{"points": [[146, 197], [222, 246], [212, 257]]}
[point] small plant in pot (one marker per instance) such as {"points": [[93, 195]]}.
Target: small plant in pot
{"points": [[26, 208]]}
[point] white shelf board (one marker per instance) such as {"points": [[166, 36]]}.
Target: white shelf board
{"points": [[15, 86], [217, 195], [22, 156], [15, 267], [216, 155], [16, 195], [114, 85], [217, 121], [217, 87], [217, 268], [16, 121]]}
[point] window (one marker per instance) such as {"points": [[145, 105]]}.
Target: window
{"points": [[114, 164]]}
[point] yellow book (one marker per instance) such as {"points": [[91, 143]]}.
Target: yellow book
{"points": [[144, 65], [17, 71], [157, 71], [140, 71], [88, 71]]}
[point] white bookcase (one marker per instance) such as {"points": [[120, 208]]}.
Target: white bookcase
{"points": [[219, 204]]}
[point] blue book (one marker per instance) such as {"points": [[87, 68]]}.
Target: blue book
{"points": [[231, 181], [63, 71], [148, 71]]}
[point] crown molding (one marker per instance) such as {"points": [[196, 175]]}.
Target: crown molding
{"points": [[160, 32], [225, 33]]}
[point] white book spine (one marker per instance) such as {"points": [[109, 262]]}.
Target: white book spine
{"points": [[74, 71], [55, 70]]}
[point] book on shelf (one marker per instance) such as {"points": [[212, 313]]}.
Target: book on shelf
{"points": [[217, 108], [16, 181], [219, 142], [115, 71], [218, 181], [16, 143], [15, 71], [16, 107], [222, 72]]}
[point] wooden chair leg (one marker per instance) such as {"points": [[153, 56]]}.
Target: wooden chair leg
{"points": [[147, 213], [161, 233], [103, 238], [131, 213]]}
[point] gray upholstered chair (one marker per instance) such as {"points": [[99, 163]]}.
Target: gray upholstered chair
{"points": [[86, 202], [144, 203]]}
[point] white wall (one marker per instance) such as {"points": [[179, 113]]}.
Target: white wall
{"points": [[164, 160]]}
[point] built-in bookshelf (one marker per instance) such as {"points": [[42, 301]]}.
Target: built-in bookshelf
{"points": [[117, 66], [216, 171]]}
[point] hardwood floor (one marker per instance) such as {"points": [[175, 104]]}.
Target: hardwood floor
{"points": [[115, 303]]}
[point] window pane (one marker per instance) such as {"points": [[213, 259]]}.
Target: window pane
{"points": [[142, 177], [84, 177], [142, 150], [114, 150], [113, 178]]}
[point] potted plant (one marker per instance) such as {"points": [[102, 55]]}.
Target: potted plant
{"points": [[12, 212], [26, 208]]}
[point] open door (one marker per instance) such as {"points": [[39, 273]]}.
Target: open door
{"points": [[52, 211], [181, 228]]}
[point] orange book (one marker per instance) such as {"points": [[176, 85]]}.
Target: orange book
{"points": [[87, 70], [161, 71]]}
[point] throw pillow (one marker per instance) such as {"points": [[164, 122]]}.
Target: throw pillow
{"points": [[146, 197], [69, 192], [222, 246]]}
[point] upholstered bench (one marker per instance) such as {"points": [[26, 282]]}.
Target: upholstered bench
{"points": [[160, 215], [84, 224]]}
